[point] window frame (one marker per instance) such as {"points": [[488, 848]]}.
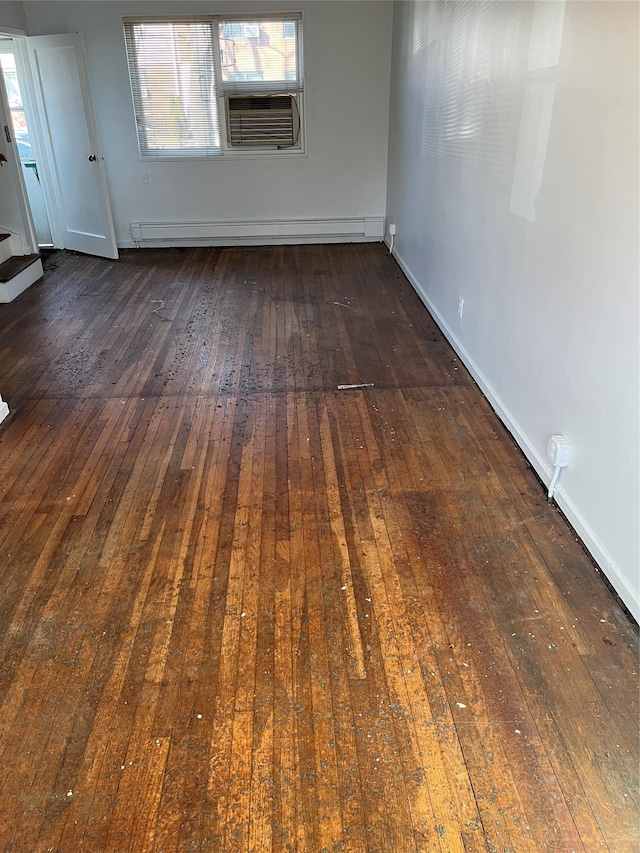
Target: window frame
{"points": [[224, 89]]}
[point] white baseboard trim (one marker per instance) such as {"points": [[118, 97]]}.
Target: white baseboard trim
{"points": [[603, 558], [256, 232], [4, 410], [19, 283]]}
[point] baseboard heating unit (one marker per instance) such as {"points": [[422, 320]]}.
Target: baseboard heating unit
{"points": [[258, 232]]}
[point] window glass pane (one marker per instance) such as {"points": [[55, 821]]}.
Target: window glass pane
{"points": [[245, 77], [267, 48], [233, 31], [251, 31], [172, 76], [8, 62]]}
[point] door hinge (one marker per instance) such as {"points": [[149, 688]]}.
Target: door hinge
{"points": [[6, 132]]}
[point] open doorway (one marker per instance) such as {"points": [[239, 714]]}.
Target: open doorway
{"points": [[53, 153], [25, 145]]}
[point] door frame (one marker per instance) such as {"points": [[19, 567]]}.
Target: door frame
{"points": [[25, 81]]}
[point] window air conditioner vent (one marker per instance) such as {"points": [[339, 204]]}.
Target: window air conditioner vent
{"points": [[262, 120]]}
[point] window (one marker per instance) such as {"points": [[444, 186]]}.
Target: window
{"points": [[251, 31], [183, 73], [233, 31], [244, 76]]}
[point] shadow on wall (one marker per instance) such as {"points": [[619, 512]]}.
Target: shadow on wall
{"points": [[480, 113]]}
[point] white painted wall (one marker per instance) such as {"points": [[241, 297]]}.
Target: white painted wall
{"points": [[513, 182], [10, 217], [347, 60]]}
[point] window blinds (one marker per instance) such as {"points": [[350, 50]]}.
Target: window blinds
{"points": [[172, 71]]}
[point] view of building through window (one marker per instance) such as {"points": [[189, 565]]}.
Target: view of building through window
{"points": [[258, 50]]}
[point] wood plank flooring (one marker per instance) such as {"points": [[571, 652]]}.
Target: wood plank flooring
{"points": [[242, 610]]}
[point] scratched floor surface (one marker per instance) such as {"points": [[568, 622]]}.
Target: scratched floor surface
{"points": [[243, 610]]}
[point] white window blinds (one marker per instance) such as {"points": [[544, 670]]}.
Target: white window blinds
{"points": [[173, 83]]}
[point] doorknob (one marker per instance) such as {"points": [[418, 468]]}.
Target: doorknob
{"points": [[92, 158]]}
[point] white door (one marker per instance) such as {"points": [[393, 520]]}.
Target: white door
{"points": [[75, 164]]}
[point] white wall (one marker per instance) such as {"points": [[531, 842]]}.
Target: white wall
{"points": [[347, 54], [10, 216], [513, 182]]}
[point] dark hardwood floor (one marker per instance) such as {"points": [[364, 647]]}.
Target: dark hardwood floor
{"points": [[243, 610]]}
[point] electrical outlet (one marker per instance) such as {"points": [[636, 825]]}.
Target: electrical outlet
{"points": [[392, 229], [460, 306], [144, 178], [559, 451]]}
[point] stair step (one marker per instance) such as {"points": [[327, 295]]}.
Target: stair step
{"points": [[12, 267], [6, 249]]}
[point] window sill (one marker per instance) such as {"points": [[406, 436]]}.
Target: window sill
{"points": [[226, 156]]}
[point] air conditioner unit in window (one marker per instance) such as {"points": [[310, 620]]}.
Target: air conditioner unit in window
{"points": [[262, 120]]}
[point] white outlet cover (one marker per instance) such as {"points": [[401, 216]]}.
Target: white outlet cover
{"points": [[559, 451]]}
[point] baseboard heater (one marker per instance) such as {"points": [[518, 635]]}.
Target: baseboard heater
{"points": [[259, 231]]}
